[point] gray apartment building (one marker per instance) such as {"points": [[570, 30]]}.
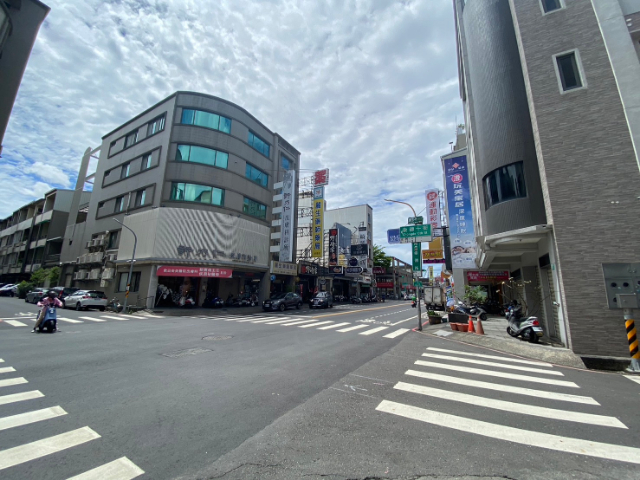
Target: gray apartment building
{"points": [[20, 22], [31, 238], [552, 117], [193, 177]]}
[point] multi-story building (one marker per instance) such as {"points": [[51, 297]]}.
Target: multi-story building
{"points": [[193, 177], [32, 237], [20, 22], [395, 280], [552, 124]]}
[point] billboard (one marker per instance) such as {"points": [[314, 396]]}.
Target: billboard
{"points": [[317, 225], [435, 250], [359, 249], [288, 212], [344, 239], [463, 241], [321, 177], [433, 208], [333, 247]]}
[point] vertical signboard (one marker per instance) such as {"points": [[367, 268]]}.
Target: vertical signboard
{"points": [[288, 211], [321, 177], [333, 247], [433, 208], [317, 224], [417, 261], [431, 277], [463, 242]]}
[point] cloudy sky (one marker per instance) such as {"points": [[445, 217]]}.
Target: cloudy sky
{"points": [[366, 88]]}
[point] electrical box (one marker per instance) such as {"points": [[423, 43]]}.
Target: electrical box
{"points": [[622, 284]]}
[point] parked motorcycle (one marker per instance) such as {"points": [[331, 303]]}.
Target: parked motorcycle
{"points": [[356, 299], [519, 325], [474, 311], [114, 306], [50, 321]]}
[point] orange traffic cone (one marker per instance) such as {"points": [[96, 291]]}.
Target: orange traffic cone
{"points": [[479, 329], [471, 329]]}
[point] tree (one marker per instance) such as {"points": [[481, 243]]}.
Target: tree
{"points": [[38, 277], [380, 258], [54, 276]]}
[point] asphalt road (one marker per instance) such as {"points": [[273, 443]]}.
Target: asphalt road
{"points": [[168, 395]]}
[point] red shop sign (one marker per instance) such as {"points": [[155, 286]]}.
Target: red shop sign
{"points": [[210, 272], [476, 276], [378, 270], [385, 284]]}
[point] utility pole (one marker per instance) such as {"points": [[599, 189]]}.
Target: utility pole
{"points": [[133, 256]]}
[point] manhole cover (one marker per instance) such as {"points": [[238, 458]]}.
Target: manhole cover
{"points": [[186, 353], [217, 337]]}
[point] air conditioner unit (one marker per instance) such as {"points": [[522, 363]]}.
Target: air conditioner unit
{"points": [[107, 274], [96, 257], [78, 259], [98, 242], [89, 244], [112, 257], [80, 275], [94, 274]]}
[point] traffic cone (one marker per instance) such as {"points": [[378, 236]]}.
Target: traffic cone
{"points": [[471, 329], [479, 329]]}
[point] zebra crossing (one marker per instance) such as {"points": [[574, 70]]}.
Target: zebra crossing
{"points": [[28, 319], [307, 323], [446, 377], [53, 446]]}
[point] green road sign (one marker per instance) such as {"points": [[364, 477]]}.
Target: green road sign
{"points": [[415, 231], [417, 256], [418, 284], [415, 220]]}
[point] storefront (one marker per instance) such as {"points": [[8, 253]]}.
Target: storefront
{"points": [[490, 281], [179, 286], [282, 276], [307, 283]]}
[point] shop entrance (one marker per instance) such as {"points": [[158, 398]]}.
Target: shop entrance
{"points": [[177, 291]]}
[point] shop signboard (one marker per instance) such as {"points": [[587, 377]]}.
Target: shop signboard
{"points": [[379, 270], [180, 271], [431, 277], [321, 177], [417, 264], [353, 270], [360, 249], [490, 276], [393, 236], [433, 208], [317, 226], [308, 269], [333, 246], [288, 212], [435, 250], [337, 270], [284, 268], [434, 262], [385, 284], [461, 231]]}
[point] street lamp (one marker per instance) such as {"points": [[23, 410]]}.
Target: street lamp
{"points": [[420, 248], [133, 256]]}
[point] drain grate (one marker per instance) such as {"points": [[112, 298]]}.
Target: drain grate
{"points": [[217, 337], [186, 353]]}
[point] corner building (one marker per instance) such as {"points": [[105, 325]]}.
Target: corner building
{"points": [[193, 177]]}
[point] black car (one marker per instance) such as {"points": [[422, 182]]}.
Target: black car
{"points": [[282, 301], [321, 300]]}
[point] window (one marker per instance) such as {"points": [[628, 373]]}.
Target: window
{"points": [[286, 163], [254, 209], [207, 156], [206, 119], [551, 5], [258, 176], [100, 205], [503, 184], [113, 240], [111, 147], [146, 161], [190, 192], [141, 196], [155, 126], [126, 169], [119, 204], [131, 139], [135, 282], [259, 144], [568, 71]]}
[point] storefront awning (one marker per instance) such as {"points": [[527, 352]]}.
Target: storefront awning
{"points": [[501, 250]]}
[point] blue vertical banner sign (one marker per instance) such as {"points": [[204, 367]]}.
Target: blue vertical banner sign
{"points": [[463, 239]]}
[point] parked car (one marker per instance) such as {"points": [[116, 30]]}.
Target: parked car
{"points": [[282, 301], [85, 299], [64, 292], [35, 295], [322, 300], [9, 290]]}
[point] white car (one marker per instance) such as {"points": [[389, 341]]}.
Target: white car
{"points": [[84, 299], [10, 290]]}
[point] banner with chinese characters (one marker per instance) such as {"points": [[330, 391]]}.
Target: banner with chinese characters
{"points": [[288, 212], [333, 247], [284, 268], [433, 208], [463, 241], [321, 177], [178, 271], [317, 223], [435, 251]]}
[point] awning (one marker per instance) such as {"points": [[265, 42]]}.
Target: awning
{"points": [[503, 249]]}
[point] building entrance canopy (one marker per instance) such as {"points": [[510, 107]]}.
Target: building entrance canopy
{"points": [[503, 249]]}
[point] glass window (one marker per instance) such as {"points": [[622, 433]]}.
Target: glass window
{"points": [[257, 176], [155, 126], [254, 209], [551, 5], [113, 240], [206, 156], [135, 282], [286, 163], [131, 139], [146, 161], [569, 73], [225, 124], [187, 116], [259, 144], [141, 196], [119, 204], [503, 184], [190, 192], [206, 119], [126, 169]]}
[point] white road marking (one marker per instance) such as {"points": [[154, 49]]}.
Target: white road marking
{"points": [[297, 322], [92, 319], [13, 381], [633, 379], [47, 446], [513, 407], [515, 435], [563, 397], [279, 321], [114, 318], [334, 326], [253, 319], [15, 323], [373, 330], [269, 320], [120, 469], [490, 373], [397, 333], [493, 364], [135, 316], [1, 360], [18, 318], [316, 324], [7, 369], [69, 320], [492, 357], [357, 327], [232, 318], [19, 397], [151, 316], [31, 417], [402, 321]]}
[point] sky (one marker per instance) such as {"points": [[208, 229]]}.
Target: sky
{"points": [[367, 89]]}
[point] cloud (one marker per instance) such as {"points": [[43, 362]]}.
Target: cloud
{"points": [[367, 88]]}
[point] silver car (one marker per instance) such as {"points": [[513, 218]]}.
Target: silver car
{"points": [[84, 299], [35, 295]]}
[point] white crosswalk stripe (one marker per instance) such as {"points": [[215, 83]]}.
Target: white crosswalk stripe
{"points": [[373, 330], [397, 333], [491, 357], [9, 382], [110, 317], [1, 360], [315, 324], [334, 326], [633, 379], [69, 320], [15, 323], [492, 364], [279, 321], [47, 446], [92, 319], [270, 320], [349, 329], [31, 417], [7, 369], [297, 322], [20, 397], [120, 469]]}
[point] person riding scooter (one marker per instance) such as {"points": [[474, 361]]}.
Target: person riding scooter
{"points": [[50, 300]]}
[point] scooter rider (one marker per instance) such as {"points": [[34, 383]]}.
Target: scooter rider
{"points": [[50, 299]]}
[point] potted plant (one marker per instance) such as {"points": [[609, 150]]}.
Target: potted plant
{"points": [[434, 318]]}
